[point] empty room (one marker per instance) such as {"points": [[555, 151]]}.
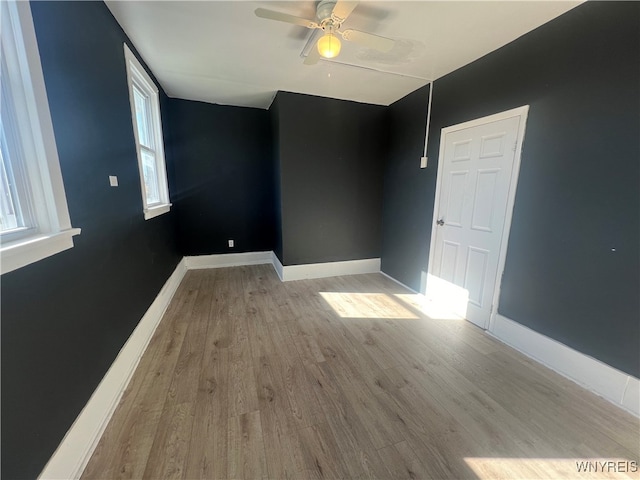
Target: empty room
{"points": [[314, 240]]}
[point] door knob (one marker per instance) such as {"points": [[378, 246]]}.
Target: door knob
{"points": [[440, 222]]}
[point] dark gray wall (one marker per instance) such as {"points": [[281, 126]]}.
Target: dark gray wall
{"points": [[331, 156], [578, 192], [224, 177], [274, 112], [65, 318], [404, 188]]}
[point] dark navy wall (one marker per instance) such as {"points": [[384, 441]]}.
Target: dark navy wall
{"points": [[224, 177], [274, 112], [331, 155], [404, 192], [573, 258], [65, 318]]}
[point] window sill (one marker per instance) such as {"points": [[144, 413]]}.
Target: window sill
{"points": [[151, 212], [25, 251]]}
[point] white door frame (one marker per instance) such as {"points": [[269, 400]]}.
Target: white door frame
{"points": [[521, 112]]}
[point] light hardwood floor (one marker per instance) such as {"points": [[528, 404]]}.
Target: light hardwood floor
{"points": [[248, 377]]}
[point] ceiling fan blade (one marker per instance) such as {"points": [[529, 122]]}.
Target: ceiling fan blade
{"points": [[342, 10], [370, 40], [284, 17], [313, 56]]}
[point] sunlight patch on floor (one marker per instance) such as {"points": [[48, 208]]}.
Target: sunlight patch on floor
{"points": [[366, 305], [435, 310], [574, 468]]}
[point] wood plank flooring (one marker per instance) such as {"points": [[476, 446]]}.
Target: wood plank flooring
{"points": [[247, 377]]}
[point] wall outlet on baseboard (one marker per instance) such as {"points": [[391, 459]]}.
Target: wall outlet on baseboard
{"points": [[423, 162], [230, 243]]}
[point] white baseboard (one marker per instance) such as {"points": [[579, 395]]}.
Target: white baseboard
{"points": [[277, 265], [228, 260], [631, 397], [286, 273], [330, 269], [619, 388], [76, 448]]}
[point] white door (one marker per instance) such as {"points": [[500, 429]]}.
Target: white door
{"points": [[474, 190]]}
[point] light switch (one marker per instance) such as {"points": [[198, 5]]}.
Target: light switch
{"points": [[113, 180]]}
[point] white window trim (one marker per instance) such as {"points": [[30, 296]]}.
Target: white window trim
{"points": [[135, 71], [55, 232]]}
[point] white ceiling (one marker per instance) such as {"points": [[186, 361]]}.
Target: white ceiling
{"points": [[220, 52]]}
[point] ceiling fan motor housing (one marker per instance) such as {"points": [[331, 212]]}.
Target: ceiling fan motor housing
{"points": [[324, 10]]}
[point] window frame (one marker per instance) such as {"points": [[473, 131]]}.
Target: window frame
{"points": [[137, 76], [51, 232]]}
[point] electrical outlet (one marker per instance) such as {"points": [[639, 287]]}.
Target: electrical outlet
{"points": [[113, 180], [423, 162], [230, 243]]}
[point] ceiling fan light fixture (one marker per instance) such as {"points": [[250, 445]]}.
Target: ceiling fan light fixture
{"points": [[329, 45]]}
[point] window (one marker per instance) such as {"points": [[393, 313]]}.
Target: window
{"points": [[34, 219], [147, 129]]}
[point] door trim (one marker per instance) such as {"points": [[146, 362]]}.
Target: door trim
{"points": [[521, 112]]}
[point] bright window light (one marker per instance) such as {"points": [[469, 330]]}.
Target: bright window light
{"points": [[444, 296]]}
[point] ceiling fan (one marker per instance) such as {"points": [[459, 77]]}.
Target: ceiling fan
{"points": [[330, 14]]}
